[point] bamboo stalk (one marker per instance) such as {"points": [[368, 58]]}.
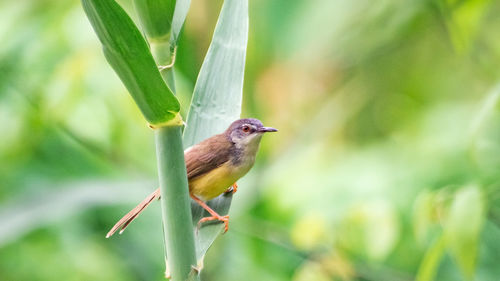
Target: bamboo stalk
{"points": [[175, 204], [163, 56]]}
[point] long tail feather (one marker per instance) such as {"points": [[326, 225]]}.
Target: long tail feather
{"points": [[130, 216]]}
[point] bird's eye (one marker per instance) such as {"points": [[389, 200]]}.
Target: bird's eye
{"points": [[245, 129]]}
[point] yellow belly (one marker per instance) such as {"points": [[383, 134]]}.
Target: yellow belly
{"points": [[215, 182]]}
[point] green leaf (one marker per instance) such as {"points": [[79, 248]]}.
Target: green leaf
{"points": [[463, 21], [424, 216], [430, 263], [181, 10], [218, 91], [127, 52], [155, 17], [463, 227], [217, 99]]}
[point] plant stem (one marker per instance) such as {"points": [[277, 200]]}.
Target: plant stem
{"points": [[180, 249], [163, 56], [175, 204]]}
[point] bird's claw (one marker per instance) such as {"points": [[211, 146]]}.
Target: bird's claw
{"points": [[224, 219], [232, 189]]}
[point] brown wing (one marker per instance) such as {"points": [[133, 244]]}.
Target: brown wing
{"points": [[207, 155], [201, 158]]}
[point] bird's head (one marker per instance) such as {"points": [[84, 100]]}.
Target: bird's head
{"points": [[247, 132]]}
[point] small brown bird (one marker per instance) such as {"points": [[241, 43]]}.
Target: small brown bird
{"points": [[213, 165]]}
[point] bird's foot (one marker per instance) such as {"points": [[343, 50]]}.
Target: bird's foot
{"points": [[224, 219], [232, 189]]}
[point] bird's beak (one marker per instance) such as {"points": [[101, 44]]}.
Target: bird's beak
{"points": [[266, 130]]}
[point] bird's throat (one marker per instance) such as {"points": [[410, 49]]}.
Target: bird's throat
{"points": [[243, 153]]}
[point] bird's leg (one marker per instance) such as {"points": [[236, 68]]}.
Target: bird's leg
{"points": [[215, 216], [232, 189]]}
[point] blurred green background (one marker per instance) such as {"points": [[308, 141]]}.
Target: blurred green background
{"points": [[386, 166]]}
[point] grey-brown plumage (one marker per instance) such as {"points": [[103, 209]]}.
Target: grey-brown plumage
{"points": [[213, 165], [207, 155]]}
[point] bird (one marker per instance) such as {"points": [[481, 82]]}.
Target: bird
{"points": [[213, 166]]}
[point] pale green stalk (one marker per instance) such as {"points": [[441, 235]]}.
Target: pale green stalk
{"points": [[176, 210], [175, 202]]}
